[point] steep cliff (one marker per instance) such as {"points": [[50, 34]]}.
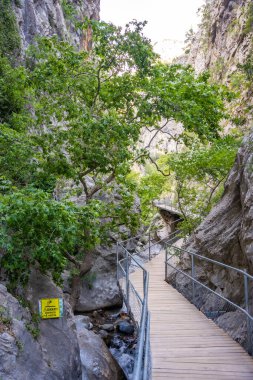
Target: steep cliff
{"points": [[48, 17], [32, 348], [223, 45], [223, 42]]}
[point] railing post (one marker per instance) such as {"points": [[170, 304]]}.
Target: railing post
{"points": [[144, 282], [166, 260], [193, 282], [246, 299], [127, 282], [117, 254], [149, 248]]}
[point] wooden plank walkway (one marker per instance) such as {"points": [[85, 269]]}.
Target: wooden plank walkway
{"points": [[184, 343]]}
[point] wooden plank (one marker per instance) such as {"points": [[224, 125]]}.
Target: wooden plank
{"points": [[184, 343]]}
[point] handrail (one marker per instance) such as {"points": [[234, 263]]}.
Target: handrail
{"points": [[246, 277], [215, 262], [142, 341], [142, 351], [211, 290], [147, 232]]}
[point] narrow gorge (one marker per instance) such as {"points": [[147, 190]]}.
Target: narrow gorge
{"points": [[102, 141]]}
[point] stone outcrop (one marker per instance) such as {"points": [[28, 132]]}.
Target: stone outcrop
{"points": [[97, 361], [53, 355], [223, 41], [98, 289], [226, 235], [48, 17]]}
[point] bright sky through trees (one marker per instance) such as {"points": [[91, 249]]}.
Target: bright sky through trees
{"points": [[168, 20]]}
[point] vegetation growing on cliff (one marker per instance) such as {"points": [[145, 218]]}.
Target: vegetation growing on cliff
{"points": [[75, 117], [9, 35]]}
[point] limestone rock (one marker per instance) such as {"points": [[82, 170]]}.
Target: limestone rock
{"points": [[234, 323], [46, 17], [103, 293], [99, 289], [97, 361], [226, 235], [23, 357], [83, 321], [125, 327], [222, 42], [63, 356]]}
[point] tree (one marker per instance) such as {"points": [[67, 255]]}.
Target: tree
{"points": [[77, 116], [200, 173]]}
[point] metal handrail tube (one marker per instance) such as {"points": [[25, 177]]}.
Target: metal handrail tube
{"points": [[141, 341], [136, 293], [206, 287], [143, 327], [133, 258], [121, 267], [147, 342], [214, 262], [164, 240], [146, 233]]}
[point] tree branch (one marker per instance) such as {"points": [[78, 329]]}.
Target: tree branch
{"points": [[72, 260], [96, 188], [158, 130], [157, 167]]}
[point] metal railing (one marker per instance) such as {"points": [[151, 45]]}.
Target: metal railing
{"points": [[136, 301], [137, 306], [230, 295]]}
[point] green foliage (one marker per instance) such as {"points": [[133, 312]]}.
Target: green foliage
{"points": [[200, 173], [69, 10], [89, 279], [9, 35], [248, 28], [206, 24], [71, 114], [247, 68], [37, 229], [5, 318], [33, 330]]}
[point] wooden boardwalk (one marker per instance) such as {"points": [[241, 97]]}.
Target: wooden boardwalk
{"points": [[184, 343]]}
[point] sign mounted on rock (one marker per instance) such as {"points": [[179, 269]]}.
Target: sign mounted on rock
{"points": [[51, 308]]}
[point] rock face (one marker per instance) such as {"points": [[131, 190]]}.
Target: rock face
{"points": [[99, 288], [226, 235], [48, 17], [57, 336], [54, 355], [224, 40], [97, 361]]}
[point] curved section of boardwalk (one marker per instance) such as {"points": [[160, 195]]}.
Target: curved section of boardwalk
{"points": [[184, 343]]}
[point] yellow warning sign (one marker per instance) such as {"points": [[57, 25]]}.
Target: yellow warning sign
{"points": [[51, 308]]}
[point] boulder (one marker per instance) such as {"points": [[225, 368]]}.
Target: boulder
{"points": [[57, 336], [103, 293], [83, 321], [235, 324], [24, 358], [125, 327], [107, 327], [97, 361], [98, 289]]}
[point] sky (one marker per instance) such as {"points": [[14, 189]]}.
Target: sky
{"points": [[168, 20]]}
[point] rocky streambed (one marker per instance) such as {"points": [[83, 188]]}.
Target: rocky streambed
{"points": [[112, 328]]}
